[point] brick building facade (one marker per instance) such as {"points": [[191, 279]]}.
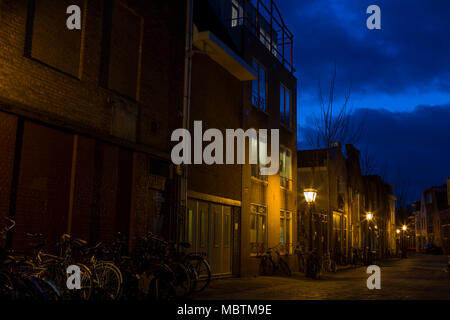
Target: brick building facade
{"points": [[86, 117]]}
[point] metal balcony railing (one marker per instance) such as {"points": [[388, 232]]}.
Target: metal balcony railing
{"points": [[264, 20]]}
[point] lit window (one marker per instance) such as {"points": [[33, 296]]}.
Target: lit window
{"points": [[258, 229], [259, 87], [260, 146], [237, 14], [285, 106], [285, 232], [285, 168]]}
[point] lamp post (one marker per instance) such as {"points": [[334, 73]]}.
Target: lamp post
{"points": [[310, 197], [404, 251], [368, 249]]}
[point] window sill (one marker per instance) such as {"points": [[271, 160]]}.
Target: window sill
{"points": [[260, 110], [259, 180]]}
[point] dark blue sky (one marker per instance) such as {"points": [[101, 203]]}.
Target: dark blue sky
{"points": [[400, 79]]}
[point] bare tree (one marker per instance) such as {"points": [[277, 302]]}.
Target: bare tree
{"points": [[403, 191], [369, 164], [335, 123]]}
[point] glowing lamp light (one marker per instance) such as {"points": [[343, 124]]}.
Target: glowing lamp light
{"points": [[398, 231], [369, 216], [310, 195], [404, 228]]}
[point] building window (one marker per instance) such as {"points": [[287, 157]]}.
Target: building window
{"points": [[258, 229], [227, 226], [50, 43], [285, 106], [261, 151], [217, 229], [122, 50], [237, 14], [266, 40], [189, 227], [285, 232], [259, 87], [285, 168], [203, 228]]}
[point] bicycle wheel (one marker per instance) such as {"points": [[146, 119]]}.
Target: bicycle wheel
{"points": [[7, 288], [56, 273], [164, 288], [267, 266], [284, 268], [182, 280], [108, 281], [203, 270], [48, 290], [193, 275]]}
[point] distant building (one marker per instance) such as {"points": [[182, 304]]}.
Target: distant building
{"points": [[344, 200], [435, 218]]}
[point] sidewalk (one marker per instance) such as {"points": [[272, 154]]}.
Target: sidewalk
{"points": [[418, 277]]}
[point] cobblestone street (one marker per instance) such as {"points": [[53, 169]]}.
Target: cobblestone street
{"points": [[418, 277]]}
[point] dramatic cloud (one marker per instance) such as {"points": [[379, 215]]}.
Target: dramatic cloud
{"points": [[393, 70], [411, 147], [411, 50]]}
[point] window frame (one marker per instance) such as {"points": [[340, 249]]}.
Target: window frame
{"points": [[254, 246], [285, 181], [259, 176], [283, 113], [287, 217], [260, 106]]}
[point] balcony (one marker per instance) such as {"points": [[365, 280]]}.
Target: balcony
{"points": [[263, 19]]}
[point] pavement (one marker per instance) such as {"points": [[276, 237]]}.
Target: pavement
{"points": [[417, 277]]}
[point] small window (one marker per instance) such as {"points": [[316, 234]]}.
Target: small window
{"points": [[237, 14], [261, 146], [258, 229], [189, 227], [285, 106], [217, 229], [259, 87], [285, 232], [285, 168], [203, 228]]}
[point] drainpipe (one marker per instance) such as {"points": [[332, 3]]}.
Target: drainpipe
{"points": [[182, 203]]}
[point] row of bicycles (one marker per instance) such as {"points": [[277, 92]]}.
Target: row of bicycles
{"points": [[156, 270]]}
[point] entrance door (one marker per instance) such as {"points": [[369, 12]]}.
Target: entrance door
{"points": [[208, 227]]}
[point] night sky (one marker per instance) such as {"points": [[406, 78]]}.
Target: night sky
{"points": [[400, 78]]}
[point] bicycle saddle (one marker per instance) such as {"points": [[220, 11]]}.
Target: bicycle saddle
{"points": [[35, 235]]}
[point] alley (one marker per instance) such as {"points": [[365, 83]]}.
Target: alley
{"points": [[418, 277]]}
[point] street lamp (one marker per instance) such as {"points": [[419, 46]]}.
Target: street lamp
{"points": [[310, 197], [398, 231], [404, 250]]}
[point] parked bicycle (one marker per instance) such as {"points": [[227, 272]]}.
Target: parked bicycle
{"points": [[269, 266], [156, 270]]}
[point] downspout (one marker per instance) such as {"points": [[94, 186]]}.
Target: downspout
{"points": [[182, 203]]}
